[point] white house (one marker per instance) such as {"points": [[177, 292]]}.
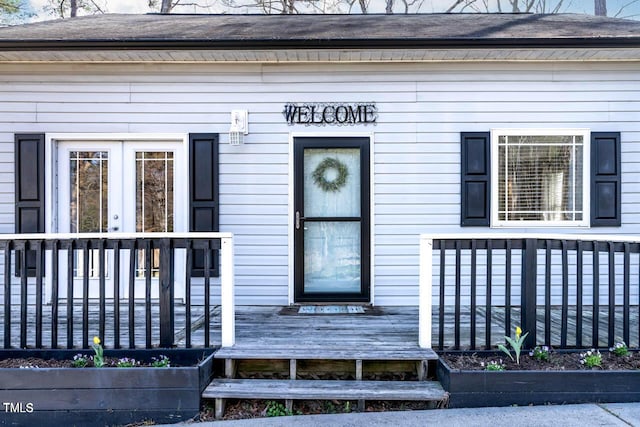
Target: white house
{"points": [[326, 144]]}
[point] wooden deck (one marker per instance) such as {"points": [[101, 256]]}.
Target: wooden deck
{"points": [[388, 331], [269, 331], [139, 322], [266, 333], [392, 330]]}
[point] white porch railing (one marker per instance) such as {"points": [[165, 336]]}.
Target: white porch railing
{"points": [[227, 291], [425, 292]]}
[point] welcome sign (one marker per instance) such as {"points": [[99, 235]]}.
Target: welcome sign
{"points": [[330, 114]]}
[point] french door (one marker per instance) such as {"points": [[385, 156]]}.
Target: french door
{"points": [[117, 186], [331, 219]]}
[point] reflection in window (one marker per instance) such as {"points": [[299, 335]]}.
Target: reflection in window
{"points": [[89, 191], [154, 191], [89, 177], [154, 200], [540, 178]]}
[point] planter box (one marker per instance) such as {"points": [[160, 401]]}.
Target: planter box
{"points": [[104, 396], [468, 389]]}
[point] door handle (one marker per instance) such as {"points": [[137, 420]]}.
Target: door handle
{"points": [[297, 220]]}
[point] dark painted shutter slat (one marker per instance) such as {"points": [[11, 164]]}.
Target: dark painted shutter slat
{"points": [[29, 190], [203, 193], [476, 179], [605, 179]]}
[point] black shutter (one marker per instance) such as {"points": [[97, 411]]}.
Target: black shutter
{"points": [[475, 179], [29, 190], [605, 179], [203, 193]]}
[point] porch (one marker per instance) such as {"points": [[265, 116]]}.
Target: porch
{"points": [[275, 329], [267, 327], [565, 291]]}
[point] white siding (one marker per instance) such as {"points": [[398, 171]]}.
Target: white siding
{"points": [[422, 110]]}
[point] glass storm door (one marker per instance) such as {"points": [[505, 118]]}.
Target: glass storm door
{"points": [[331, 219], [116, 186]]}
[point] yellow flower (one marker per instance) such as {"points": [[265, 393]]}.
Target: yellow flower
{"points": [[96, 340], [518, 332]]}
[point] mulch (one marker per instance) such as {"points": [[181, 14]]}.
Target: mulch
{"points": [[34, 362], [557, 361]]}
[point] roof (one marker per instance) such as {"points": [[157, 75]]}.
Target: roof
{"points": [[411, 33], [233, 31]]}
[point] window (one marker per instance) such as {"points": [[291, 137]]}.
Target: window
{"points": [[539, 177], [523, 178]]}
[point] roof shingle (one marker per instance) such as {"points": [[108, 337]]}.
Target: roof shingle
{"points": [[153, 31]]}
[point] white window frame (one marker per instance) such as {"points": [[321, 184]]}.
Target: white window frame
{"points": [[586, 177]]}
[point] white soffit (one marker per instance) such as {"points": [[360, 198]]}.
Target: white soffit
{"points": [[323, 55]]}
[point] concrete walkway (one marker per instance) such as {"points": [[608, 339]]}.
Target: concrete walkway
{"points": [[586, 415]]}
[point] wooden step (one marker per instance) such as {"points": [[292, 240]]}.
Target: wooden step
{"points": [[328, 353], [324, 390]]}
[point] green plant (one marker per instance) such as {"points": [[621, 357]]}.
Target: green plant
{"points": [[516, 344], [98, 358], [161, 362], [540, 353], [329, 407], [80, 361], [591, 358], [277, 409], [494, 366], [620, 349], [126, 362]]}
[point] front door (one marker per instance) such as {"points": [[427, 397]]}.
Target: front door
{"points": [[331, 219], [116, 186]]}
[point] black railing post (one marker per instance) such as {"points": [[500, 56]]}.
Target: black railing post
{"points": [[39, 284], [207, 294], [102, 291], [23, 294], [7, 293], [70, 297], [55, 288], [187, 292], [528, 291], [166, 295], [148, 274], [86, 246]]}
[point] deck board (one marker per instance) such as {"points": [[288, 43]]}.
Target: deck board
{"points": [[391, 329], [290, 352], [325, 389]]}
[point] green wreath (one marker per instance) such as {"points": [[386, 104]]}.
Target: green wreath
{"points": [[336, 184]]}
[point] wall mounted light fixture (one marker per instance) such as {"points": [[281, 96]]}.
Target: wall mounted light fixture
{"points": [[239, 127]]}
